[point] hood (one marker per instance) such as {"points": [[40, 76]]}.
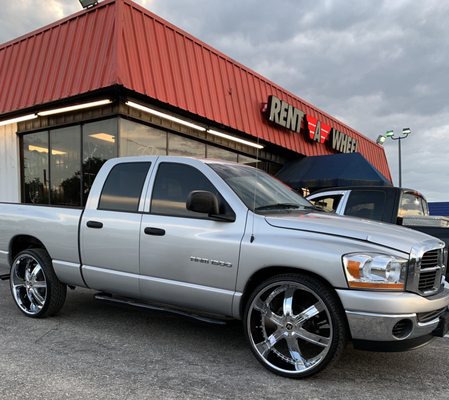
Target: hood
{"points": [[388, 235]]}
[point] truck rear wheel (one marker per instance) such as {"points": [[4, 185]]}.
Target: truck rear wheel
{"points": [[295, 325], [34, 286]]}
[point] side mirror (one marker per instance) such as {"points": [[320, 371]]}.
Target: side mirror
{"points": [[201, 201]]}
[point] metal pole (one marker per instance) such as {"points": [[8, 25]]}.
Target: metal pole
{"points": [[400, 172]]}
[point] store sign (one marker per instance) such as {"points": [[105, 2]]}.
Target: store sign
{"points": [[343, 143], [281, 113], [284, 114]]}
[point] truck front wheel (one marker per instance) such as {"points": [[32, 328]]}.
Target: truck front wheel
{"points": [[295, 325], [34, 286]]}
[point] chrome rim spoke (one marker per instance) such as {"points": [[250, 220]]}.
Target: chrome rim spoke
{"points": [[295, 354], [40, 285], [288, 301], [18, 282], [265, 346], [35, 272], [312, 337], [308, 313], [39, 299], [265, 310]]}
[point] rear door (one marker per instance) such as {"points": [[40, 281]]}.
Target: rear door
{"points": [[110, 229], [188, 259]]}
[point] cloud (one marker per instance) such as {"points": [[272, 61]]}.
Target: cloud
{"points": [[375, 65]]}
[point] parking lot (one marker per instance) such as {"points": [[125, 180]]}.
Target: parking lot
{"points": [[93, 350]]}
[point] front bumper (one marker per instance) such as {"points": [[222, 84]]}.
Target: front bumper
{"points": [[398, 320]]}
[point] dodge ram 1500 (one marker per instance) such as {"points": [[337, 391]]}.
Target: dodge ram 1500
{"points": [[223, 240]]}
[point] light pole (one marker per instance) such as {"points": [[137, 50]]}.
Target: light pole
{"points": [[390, 134]]}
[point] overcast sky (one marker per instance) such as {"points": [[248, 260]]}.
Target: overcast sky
{"points": [[375, 65]]}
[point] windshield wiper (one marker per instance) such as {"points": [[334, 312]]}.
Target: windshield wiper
{"points": [[277, 206], [315, 208]]}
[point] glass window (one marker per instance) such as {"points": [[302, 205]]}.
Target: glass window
{"points": [[172, 186], [65, 166], [141, 140], [328, 203], [99, 145], [123, 187], [259, 191], [181, 146], [220, 154], [35, 168], [412, 205], [367, 204]]}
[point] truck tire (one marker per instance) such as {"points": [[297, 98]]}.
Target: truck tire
{"points": [[295, 325], [34, 286]]}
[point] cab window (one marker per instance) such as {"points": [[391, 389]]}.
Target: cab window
{"points": [[327, 203]]}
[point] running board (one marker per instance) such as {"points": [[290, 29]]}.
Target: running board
{"points": [[4, 277], [129, 302]]}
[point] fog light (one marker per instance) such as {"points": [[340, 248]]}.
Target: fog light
{"points": [[402, 329]]}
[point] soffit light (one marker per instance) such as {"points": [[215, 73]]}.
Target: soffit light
{"points": [[74, 108], [165, 116], [18, 119], [191, 125], [234, 139]]}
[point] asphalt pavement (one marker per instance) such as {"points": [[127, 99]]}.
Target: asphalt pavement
{"points": [[93, 350]]}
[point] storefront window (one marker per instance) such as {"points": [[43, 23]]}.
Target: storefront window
{"points": [[35, 168], [141, 140], [181, 146], [65, 166], [99, 145], [220, 154]]}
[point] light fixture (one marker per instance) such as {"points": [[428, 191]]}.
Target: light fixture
{"points": [[234, 139], [74, 108], [88, 3], [406, 131], [18, 119], [381, 139], [165, 116], [389, 133], [106, 137]]}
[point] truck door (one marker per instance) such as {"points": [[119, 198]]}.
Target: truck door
{"points": [[109, 233], [187, 258]]}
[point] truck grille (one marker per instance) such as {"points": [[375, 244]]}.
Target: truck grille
{"points": [[430, 272]]}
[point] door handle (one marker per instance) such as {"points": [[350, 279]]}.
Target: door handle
{"points": [[154, 231], [94, 224]]}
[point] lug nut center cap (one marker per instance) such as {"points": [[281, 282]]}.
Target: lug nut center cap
{"points": [[289, 326]]}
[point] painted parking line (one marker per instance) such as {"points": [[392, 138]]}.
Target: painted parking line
{"points": [[447, 336]]}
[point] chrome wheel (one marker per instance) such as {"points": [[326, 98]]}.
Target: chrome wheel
{"points": [[289, 327], [29, 284]]}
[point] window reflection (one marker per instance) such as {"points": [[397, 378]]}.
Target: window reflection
{"points": [[35, 168], [99, 145], [181, 146], [65, 176], [220, 154], [141, 140]]}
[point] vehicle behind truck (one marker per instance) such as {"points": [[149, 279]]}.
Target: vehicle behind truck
{"points": [[406, 207], [217, 241]]}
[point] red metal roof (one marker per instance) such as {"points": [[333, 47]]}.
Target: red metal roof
{"points": [[120, 43]]}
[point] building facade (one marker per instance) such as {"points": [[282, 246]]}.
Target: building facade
{"points": [[117, 80]]}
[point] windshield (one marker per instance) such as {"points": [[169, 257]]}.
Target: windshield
{"points": [[259, 191]]}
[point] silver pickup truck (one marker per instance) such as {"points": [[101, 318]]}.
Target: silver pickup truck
{"points": [[220, 240]]}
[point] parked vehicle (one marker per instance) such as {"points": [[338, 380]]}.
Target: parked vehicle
{"points": [[221, 240], [406, 207]]}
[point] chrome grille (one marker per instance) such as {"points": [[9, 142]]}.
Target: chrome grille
{"points": [[430, 272]]}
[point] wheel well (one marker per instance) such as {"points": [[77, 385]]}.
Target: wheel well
{"points": [[23, 242], [266, 273]]}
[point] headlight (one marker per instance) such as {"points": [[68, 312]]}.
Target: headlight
{"points": [[375, 271]]}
